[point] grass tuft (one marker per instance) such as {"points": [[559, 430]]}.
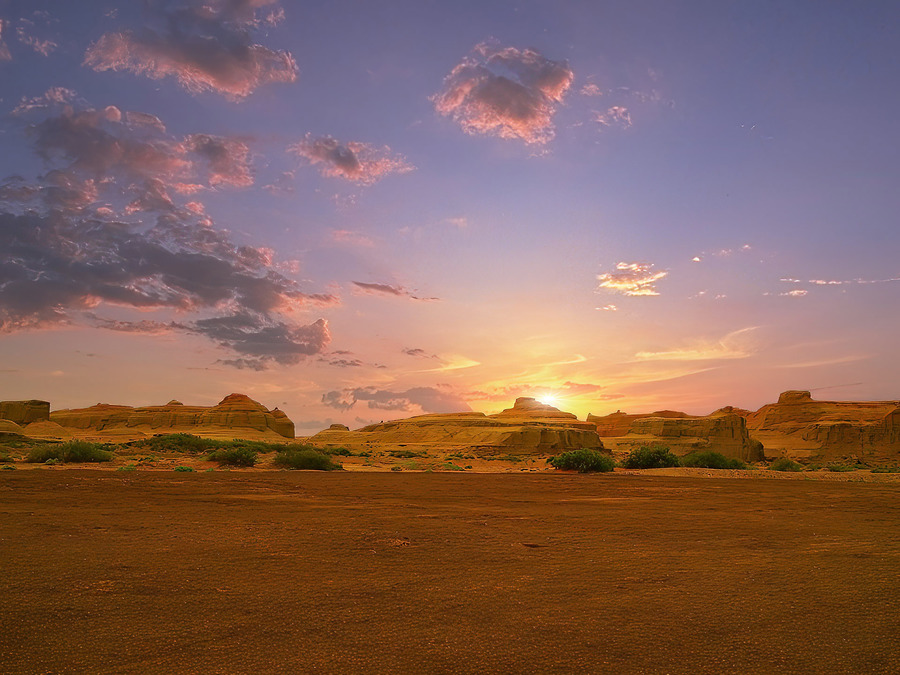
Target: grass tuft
{"points": [[650, 457], [70, 451], [711, 460], [583, 461], [233, 456], [183, 469], [785, 464], [305, 458]]}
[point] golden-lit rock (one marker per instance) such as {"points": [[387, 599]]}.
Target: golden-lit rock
{"points": [[46, 430], [527, 428], [724, 431], [24, 412], [236, 416], [9, 428], [802, 428]]}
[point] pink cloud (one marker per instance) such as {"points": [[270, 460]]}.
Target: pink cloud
{"points": [[506, 92], [204, 46], [632, 279], [364, 288], [616, 116], [352, 238], [354, 161]]}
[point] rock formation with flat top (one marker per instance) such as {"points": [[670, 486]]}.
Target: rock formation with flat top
{"points": [[24, 412]]}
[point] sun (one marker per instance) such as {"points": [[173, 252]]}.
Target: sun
{"points": [[548, 399]]}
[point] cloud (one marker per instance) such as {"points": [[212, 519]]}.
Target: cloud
{"points": [[632, 279], [353, 161], [615, 116], [352, 238], [42, 47], [799, 293], [738, 344], [205, 46], [840, 282], [228, 159], [417, 399], [591, 89], [419, 353], [568, 389], [364, 288], [506, 92]]}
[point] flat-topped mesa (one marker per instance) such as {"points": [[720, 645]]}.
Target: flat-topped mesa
{"points": [[236, 415], [529, 429], [723, 432], [802, 428], [24, 412]]}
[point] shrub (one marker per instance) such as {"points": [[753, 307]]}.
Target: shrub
{"points": [[583, 461], [233, 456], [785, 464], [711, 460], [70, 451], [407, 454], [128, 467], [886, 469], [305, 458], [341, 452], [183, 469], [5, 457], [9, 467], [450, 466], [653, 457], [840, 467]]}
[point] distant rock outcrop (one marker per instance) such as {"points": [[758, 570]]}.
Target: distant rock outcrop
{"points": [[236, 415], [527, 428], [802, 428], [24, 412], [723, 431], [9, 428]]}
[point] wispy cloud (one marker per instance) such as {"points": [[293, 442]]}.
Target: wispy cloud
{"points": [[505, 91], [614, 116], [417, 399], [365, 288], [632, 279], [353, 161], [4, 49], [352, 238], [204, 45], [738, 344]]}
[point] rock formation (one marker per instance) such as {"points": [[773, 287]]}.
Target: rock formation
{"points": [[24, 412], [723, 431], [236, 416], [9, 428], [801, 428], [528, 427]]}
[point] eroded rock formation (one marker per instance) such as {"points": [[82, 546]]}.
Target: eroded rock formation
{"points": [[723, 431], [236, 415], [801, 428], [24, 412], [528, 427]]}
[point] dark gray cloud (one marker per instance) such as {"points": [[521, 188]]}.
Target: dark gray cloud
{"points": [[425, 399], [386, 289], [507, 92], [205, 45]]}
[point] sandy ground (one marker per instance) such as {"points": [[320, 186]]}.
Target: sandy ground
{"points": [[400, 572]]}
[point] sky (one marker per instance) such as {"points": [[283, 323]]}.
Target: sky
{"points": [[361, 211]]}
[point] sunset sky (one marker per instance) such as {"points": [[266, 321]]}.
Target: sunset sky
{"points": [[360, 211]]}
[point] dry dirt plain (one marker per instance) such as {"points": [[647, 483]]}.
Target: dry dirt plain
{"points": [[305, 572]]}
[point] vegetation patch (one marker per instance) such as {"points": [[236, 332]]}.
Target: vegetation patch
{"points": [[886, 469], [128, 467], [450, 466], [583, 461], [183, 469], [785, 464], [305, 458], [340, 452], [234, 456], [70, 451], [407, 454], [5, 457], [189, 444], [840, 468], [711, 460], [650, 457]]}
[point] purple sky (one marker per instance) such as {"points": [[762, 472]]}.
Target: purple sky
{"points": [[362, 211]]}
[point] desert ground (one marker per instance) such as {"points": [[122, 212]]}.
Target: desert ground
{"points": [[350, 572]]}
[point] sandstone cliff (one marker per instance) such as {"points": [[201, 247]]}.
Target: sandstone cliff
{"points": [[24, 412], [723, 431], [528, 427], [236, 416], [801, 428]]}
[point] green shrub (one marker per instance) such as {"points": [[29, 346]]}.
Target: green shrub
{"points": [[305, 458], [652, 457], [785, 464], [9, 467], [450, 466], [583, 461], [840, 468], [233, 456], [5, 457], [341, 452], [886, 469], [396, 468], [407, 454], [70, 451], [711, 460], [127, 467], [183, 469]]}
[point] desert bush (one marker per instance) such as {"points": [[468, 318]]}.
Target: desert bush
{"points": [[233, 456], [128, 467], [886, 469], [305, 458], [652, 457], [711, 460], [450, 466], [785, 464], [583, 461], [840, 467], [183, 469], [5, 457], [70, 451], [407, 454], [9, 467], [340, 452]]}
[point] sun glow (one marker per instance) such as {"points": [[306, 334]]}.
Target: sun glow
{"points": [[549, 399]]}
